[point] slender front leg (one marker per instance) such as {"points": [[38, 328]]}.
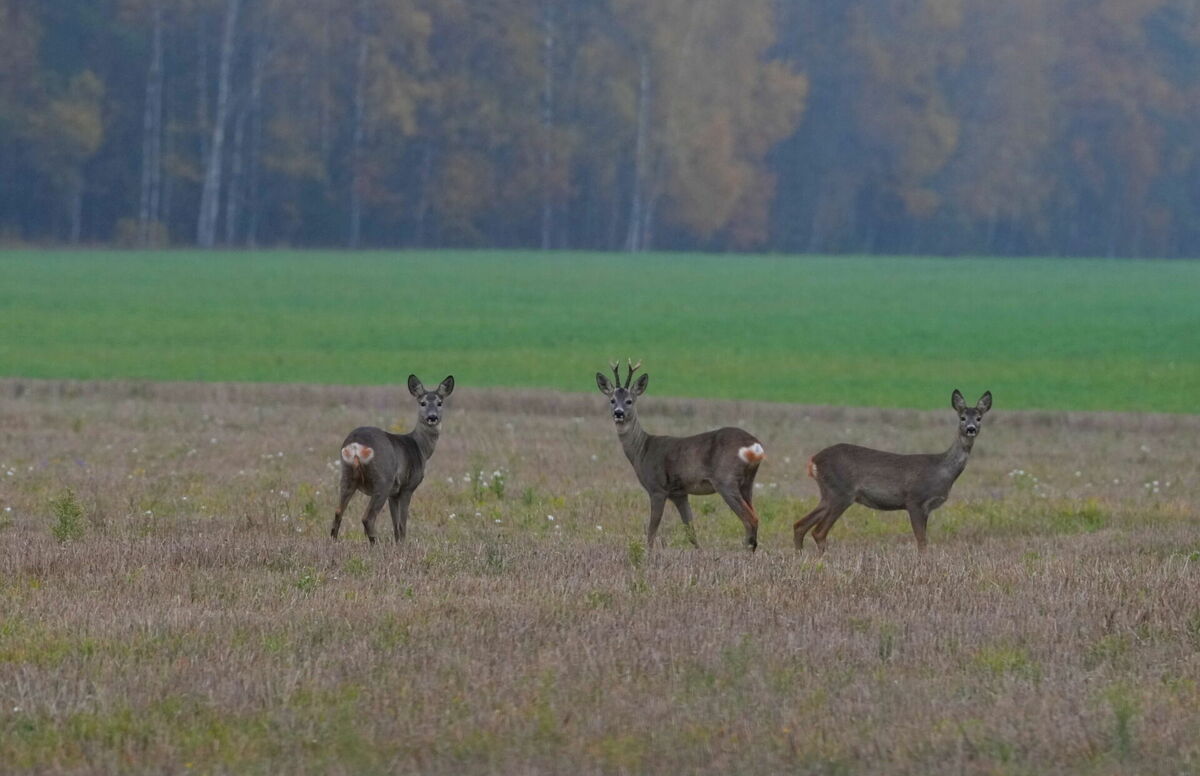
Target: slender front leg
{"points": [[399, 505], [657, 502], [918, 516], [685, 514]]}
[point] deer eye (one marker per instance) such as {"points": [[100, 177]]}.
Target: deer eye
{"points": [[629, 402], [423, 402], [612, 401], [962, 417]]}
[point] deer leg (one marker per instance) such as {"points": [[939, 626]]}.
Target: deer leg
{"points": [[833, 511], [803, 525], [685, 514], [918, 516], [745, 512], [345, 493], [657, 502], [394, 509], [399, 505], [373, 508]]}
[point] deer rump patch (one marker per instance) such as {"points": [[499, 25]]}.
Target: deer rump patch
{"points": [[354, 453], [752, 453]]}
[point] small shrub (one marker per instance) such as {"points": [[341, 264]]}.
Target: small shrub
{"points": [[68, 513], [637, 553], [1124, 708], [307, 582], [496, 486]]}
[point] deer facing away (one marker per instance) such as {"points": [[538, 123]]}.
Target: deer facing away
{"points": [[724, 461], [888, 481], [389, 467]]}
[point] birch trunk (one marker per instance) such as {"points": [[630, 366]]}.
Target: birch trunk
{"points": [[360, 110], [548, 31], [233, 196], [149, 212], [206, 227], [634, 241], [256, 132]]}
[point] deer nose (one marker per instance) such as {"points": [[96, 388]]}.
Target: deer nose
{"points": [[618, 413]]}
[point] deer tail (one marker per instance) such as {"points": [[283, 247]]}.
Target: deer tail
{"points": [[752, 454], [356, 455]]}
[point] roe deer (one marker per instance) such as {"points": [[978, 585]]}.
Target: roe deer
{"points": [[389, 467], [722, 461], [888, 481]]}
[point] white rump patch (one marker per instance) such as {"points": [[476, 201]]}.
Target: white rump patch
{"points": [[356, 452], [752, 453]]}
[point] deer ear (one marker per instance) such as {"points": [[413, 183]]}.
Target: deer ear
{"points": [[957, 401], [415, 387], [447, 386], [985, 402], [603, 384], [640, 386]]}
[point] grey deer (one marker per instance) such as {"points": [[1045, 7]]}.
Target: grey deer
{"points": [[724, 461], [389, 467], [888, 481]]}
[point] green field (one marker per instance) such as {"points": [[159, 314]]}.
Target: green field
{"points": [[889, 332]]}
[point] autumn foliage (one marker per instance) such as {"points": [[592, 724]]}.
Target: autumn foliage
{"points": [[943, 126]]}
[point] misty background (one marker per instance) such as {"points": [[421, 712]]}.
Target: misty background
{"points": [[889, 126]]}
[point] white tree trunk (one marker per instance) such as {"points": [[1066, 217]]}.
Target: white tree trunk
{"points": [[149, 212], [360, 110], [548, 32], [256, 132], [635, 240], [210, 196]]}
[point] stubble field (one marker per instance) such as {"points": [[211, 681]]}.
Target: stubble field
{"points": [[170, 600]]}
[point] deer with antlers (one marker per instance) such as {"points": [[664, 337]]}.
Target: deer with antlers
{"points": [[723, 461]]}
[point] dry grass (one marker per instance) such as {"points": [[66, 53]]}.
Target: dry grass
{"points": [[171, 602]]}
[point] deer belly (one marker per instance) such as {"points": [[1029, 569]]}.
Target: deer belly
{"points": [[880, 500], [701, 489]]}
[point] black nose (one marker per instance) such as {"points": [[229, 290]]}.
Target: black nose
{"points": [[618, 413], [433, 418]]}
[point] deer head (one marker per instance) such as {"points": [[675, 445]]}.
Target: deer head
{"points": [[970, 419], [429, 413], [622, 399]]}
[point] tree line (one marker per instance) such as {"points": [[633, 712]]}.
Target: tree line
{"points": [[900, 126]]}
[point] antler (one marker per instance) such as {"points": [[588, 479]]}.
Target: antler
{"points": [[632, 368], [616, 367]]}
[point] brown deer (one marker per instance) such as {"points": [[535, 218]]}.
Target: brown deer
{"points": [[888, 481], [724, 461], [389, 467]]}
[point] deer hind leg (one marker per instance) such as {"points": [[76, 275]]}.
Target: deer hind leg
{"points": [[657, 502], [685, 514], [345, 493], [745, 511], [833, 510], [803, 525], [373, 509]]}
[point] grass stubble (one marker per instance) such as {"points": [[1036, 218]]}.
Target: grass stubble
{"points": [[192, 615]]}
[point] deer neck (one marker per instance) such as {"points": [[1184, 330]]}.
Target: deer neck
{"points": [[633, 440], [426, 439], [956, 457]]}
